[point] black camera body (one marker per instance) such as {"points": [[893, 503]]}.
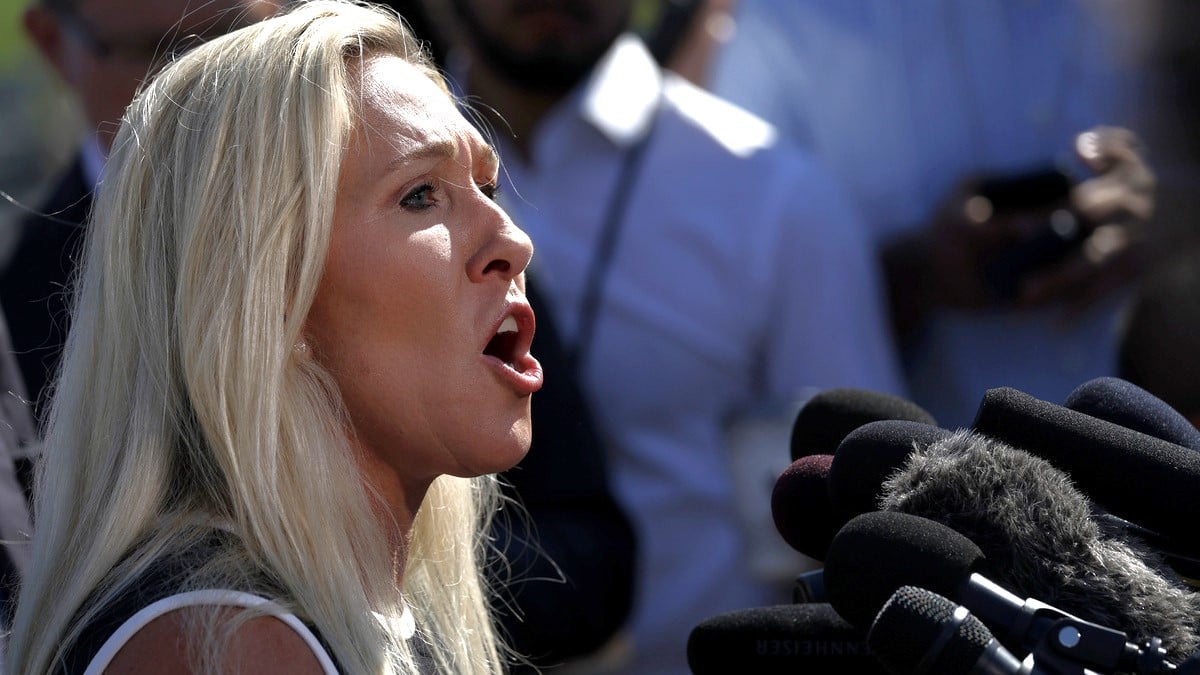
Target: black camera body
{"points": [[1043, 192]]}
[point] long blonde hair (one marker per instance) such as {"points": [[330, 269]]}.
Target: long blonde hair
{"points": [[182, 399]]}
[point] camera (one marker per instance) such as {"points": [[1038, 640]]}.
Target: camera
{"points": [[1043, 192]]}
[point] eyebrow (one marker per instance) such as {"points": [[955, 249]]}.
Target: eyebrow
{"points": [[443, 149], [437, 149]]}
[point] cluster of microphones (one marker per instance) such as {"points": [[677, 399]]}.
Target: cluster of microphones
{"points": [[1045, 539]]}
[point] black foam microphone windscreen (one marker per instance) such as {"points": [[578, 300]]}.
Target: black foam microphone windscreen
{"points": [[868, 456], [826, 418], [801, 507], [781, 639], [1040, 539], [1124, 403], [878, 552], [817, 494], [1143, 479]]}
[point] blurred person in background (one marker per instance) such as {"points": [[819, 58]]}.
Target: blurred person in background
{"points": [[15, 526], [1158, 333], [699, 272], [1159, 329], [39, 119], [948, 123], [102, 50]]}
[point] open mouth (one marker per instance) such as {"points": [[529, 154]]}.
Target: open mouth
{"points": [[508, 350], [504, 344]]}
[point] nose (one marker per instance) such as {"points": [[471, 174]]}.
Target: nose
{"points": [[505, 252]]}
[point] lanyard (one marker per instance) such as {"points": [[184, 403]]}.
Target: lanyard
{"points": [[606, 245]]}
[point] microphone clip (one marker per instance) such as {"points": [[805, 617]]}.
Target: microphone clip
{"points": [[1072, 646]]}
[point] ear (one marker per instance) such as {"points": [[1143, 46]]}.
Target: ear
{"points": [[45, 29]]}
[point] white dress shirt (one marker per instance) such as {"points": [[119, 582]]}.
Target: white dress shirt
{"points": [[740, 279]]}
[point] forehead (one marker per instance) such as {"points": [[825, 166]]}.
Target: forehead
{"points": [[404, 107]]}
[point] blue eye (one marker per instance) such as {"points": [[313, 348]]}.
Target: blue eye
{"points": [[421, 198]]}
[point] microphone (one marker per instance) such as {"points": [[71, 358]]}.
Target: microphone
{"points": [[1134, 475], [801, 508], [859, 573], [1121, 402], [826, 418], [781, 639], [817, 494], [808, 509], [878, 552], [921, 632], [868, 456], [1137, 458], [1039, 537]]}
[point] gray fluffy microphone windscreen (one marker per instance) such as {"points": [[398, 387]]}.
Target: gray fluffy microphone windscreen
{"points": [[1040, 539]]}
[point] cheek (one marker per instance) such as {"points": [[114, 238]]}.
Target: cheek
{"points": [[382, 320], [383, 284], [372, 331], [374, 365]]}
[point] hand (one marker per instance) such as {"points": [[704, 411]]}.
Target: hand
{"points": [[965, 256], [943, 263], [1118, 201]]}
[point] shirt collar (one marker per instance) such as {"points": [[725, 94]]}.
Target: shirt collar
{"points": [[621, 95]]}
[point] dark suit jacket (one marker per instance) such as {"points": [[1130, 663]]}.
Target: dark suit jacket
{"points": [[34, 283], [31, 293]]}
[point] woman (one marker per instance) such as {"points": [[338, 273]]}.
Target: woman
{"points": [[300, 345]]}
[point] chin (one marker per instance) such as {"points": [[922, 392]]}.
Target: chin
{"points": [[499, 453], [512, 452]]}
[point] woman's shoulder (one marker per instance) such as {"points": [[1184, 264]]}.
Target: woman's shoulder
{"points": [[154, 639], [145, 627]]}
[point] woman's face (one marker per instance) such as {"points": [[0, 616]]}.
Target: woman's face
{"points": [[421, 315]]}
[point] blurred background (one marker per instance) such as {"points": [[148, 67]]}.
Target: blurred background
{"points": [[39, 125], [39, 128], [1156, 40]]}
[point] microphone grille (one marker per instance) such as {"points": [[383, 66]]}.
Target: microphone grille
{"points": [[918, 631]]}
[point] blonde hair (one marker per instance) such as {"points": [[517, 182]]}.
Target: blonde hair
{"points": [[182, 400]]}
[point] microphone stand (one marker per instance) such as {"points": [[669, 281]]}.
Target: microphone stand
{"points": [[1073, 646], [1062, 644]]}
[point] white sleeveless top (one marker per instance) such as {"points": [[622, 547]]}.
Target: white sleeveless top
{"points": [[405, 623]]}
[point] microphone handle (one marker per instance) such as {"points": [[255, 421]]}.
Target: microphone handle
{"points": [[997, 660]]}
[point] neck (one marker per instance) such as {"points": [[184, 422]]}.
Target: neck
{"points": [[396, 512], [395, 501], [507, 107]]}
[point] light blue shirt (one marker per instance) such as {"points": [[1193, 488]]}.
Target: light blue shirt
{"points": [[905, 99], [741, 278]]}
